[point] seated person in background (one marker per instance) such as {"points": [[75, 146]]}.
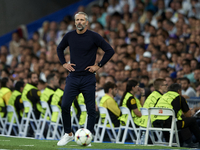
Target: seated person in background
{"points": [[187, 91], [198, 89], [173, 99], [57, 98], [169, 81], [188, 72], [160, 86], [16, 101], [5, 93], [145, 81], [32, 94], [130, 101], [52, 83], [110, 104], [41, 85]]}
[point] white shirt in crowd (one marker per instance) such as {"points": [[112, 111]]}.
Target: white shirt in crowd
{"points": [[190, 92]]}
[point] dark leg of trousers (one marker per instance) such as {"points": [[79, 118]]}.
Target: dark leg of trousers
{"points": [[70, 92], [87, 87], [191, 123], [74, 86]]}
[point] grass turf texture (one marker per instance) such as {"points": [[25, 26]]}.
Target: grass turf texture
{"points": [[13, 143]]}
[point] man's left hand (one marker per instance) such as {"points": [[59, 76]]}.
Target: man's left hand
{"points": [[93, 68], [142, 91]]}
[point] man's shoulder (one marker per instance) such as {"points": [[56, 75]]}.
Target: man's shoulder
{"points": [[132, 100], [71, 32], [155, 93], [93, 33], [190, 89]]}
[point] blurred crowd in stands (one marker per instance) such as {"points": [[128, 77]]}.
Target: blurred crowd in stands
{"points": [[151, 38]]}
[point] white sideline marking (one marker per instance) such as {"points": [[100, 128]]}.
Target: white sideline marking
{"points": [[9, 149], [26, 145], [138, 145], [17, 137], [4, 140]]}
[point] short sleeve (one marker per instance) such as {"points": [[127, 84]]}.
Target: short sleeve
{"points": [[131, 103]]}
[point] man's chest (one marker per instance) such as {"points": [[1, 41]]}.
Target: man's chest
{"points": [[83, 43]]}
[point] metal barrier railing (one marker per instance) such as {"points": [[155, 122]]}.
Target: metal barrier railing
{"points": [[193, 102]]}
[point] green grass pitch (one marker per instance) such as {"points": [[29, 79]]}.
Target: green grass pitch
{"points": [[14, 143]]}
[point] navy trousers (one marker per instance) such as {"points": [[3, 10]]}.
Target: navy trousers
{"points": [[74, 86]]}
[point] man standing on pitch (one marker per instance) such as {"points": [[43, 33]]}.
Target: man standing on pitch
{"points": [[83, 45]]}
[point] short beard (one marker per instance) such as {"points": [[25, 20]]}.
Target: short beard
{"points": [[82, 27]]}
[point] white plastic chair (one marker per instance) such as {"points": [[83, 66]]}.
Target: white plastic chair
{"points": [[2, 124], [172, 130], [74, 120], [144, 112], [43, 121], [131, 130], [99, 136], [13, 124], [26, 119], [56, 129], [83, 108]]}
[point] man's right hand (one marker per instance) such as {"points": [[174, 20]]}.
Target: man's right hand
{"points": [[69, 67]]}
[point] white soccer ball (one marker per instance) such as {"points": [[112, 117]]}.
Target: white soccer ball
{"points": [[83, 137]]}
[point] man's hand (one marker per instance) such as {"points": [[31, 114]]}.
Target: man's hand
{"points": [[93, 68], [69, 67], [192, 111], [142, 91]]}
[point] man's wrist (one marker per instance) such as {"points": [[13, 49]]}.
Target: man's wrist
{"points": [[99, 64]]}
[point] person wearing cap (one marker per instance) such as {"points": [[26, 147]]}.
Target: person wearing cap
{"points": [[169, 13], [147, 58]]}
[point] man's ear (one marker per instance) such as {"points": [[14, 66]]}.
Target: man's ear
{"points": [[110, 89], [87, 23], [133, 87], [179, 91]]}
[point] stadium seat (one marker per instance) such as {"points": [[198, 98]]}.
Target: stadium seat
{"points": [[102, 127], [26, 119], [13, 124], [129, 128], [44, 120], [172, 130], [56, 129]]}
